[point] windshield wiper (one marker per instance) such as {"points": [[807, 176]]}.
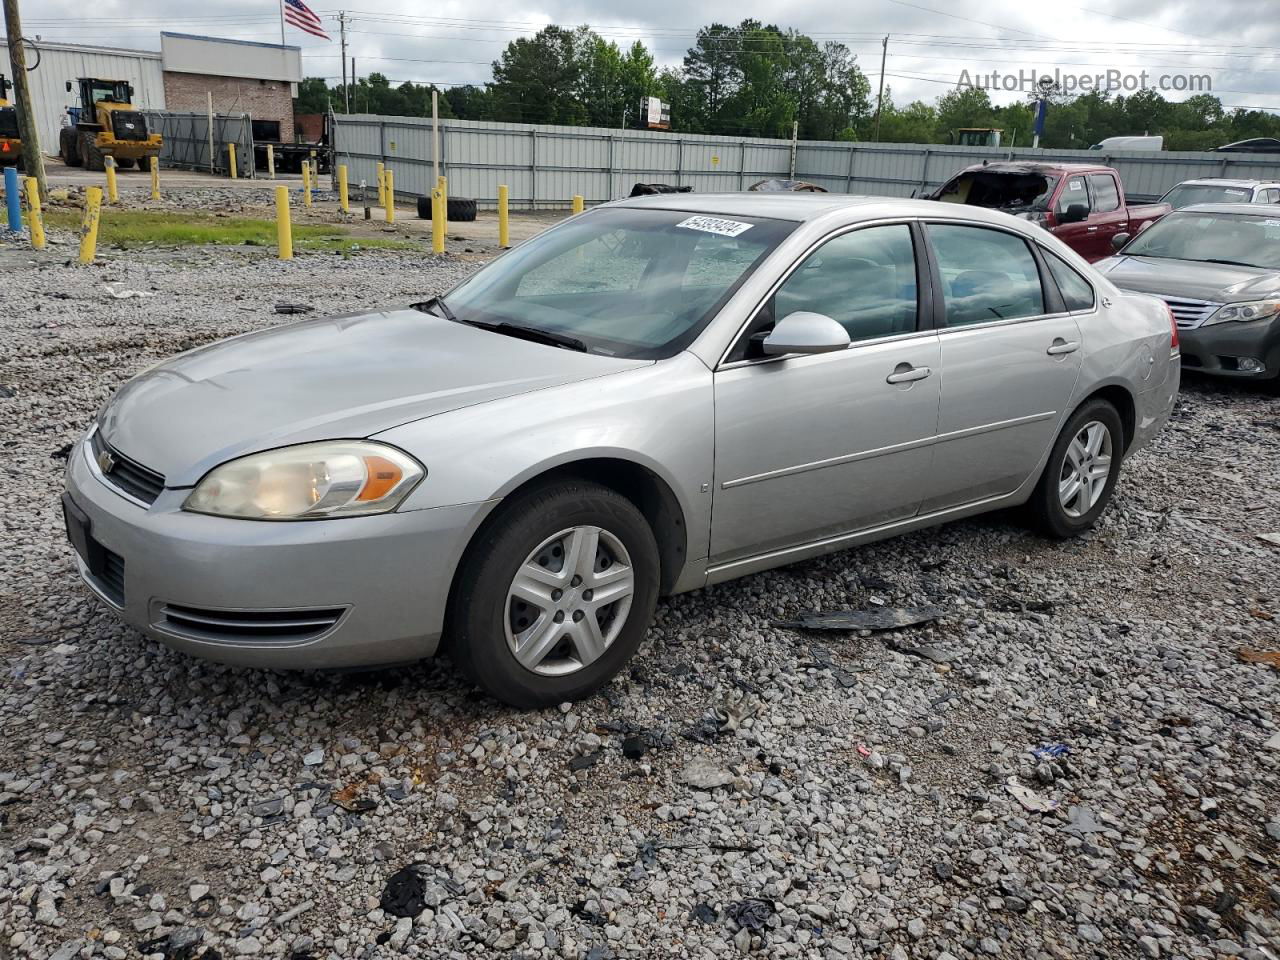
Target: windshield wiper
{"points": [[426, 305], [538, 336]]}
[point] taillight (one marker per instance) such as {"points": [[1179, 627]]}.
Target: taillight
{"points": [[1173, 327]]}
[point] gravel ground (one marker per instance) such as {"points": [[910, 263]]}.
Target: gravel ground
{"points": [[745, 788]]}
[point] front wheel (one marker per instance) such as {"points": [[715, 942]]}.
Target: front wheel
{"points": [[555, 595], [1081, 473]]}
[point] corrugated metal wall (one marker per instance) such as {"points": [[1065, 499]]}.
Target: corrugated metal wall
{"points": [[60, 62], [544, 166]]}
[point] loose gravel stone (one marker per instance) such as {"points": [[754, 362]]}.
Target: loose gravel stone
{"points": [[838, 797]]}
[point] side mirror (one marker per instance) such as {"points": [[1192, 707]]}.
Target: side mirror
{"points": [[1075, 213], [1119, 240], [805, 332]]}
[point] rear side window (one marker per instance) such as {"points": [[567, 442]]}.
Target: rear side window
{"points": [[1073, 191], [987, 275], [1076, 292], [1105, 196]]}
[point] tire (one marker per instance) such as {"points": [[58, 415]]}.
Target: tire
{"points": [[67, 141], [89, 153], [540, 529], [424, 208], [125, 163], [1081, 509], [460, 210]]}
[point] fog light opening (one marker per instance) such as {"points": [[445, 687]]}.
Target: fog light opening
{"points": [[1250, 365]]}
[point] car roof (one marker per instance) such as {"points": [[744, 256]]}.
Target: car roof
{"points": [[1027, 166], [803, 207], [1227, 182], [1236, 209]]}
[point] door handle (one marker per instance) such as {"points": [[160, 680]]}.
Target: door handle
{"points": [[1060, 346], [1093, 229], [905, 373]]}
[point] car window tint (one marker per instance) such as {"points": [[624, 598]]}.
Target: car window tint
{"points": [[1073, 191], [1076, 292], [865, 280], [1105, 196], [986, 274], [608, 262]]}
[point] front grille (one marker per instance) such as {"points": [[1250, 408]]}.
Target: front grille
{"points": [[111, 579], [128, 125], [126, 475], [269, 626], [1189, 314]]}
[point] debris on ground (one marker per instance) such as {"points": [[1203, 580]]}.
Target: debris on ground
{"points": [[1082, 821], [1270, 658], [924, 651], [1029, 799], [405, 892], [1051, 752], [1271, 538], [292, 308], [126, 294], [585, 761], [874, 619], [703, 774], [750, 914]]}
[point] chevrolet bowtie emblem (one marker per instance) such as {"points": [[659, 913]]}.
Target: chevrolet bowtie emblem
{"points": [[106, 462]]}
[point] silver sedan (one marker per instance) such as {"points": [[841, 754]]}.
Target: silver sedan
{"points": [[652, 397]]}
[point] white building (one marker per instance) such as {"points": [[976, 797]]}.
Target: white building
{"points": [[56, 63]]}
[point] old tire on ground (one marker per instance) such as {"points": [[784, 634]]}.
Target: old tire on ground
{"points": [[555, 594], [1081, 473], [90, 155], [461, 210], [68, 147], [424, 208]]}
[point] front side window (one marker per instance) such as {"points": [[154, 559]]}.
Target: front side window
{"points": [[987, 275], [625, 282], [1075, 289], [1105, 195], [1074, 191], [864, 280]]}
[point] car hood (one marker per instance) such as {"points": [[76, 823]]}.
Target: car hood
{"points": [[1192, 279], [341, 377]]}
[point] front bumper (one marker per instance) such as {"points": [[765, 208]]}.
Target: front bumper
{"points": [[1217, 349], [384, 580]]}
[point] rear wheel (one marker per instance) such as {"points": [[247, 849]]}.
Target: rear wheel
{"points": [[555, 595], [68, 143], [1080, 476]]}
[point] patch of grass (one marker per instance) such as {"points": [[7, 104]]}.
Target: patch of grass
{"points": [[130, 229]]}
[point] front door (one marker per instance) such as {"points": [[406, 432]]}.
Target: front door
{"points": [[1011, 355], [813, 446]]}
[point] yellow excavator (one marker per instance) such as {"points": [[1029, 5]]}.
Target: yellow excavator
{"points": [[106, 125], [10, 142]]}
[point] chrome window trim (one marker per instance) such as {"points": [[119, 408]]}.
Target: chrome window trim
{"points": [[857, 344], [723, 363]]}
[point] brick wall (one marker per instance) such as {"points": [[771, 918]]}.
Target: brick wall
{"points": [[261, 99]]}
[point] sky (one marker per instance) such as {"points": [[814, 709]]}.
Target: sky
{"points": [[933, 44]]}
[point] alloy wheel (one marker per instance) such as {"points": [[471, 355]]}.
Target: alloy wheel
{"points": [[1085, 469], [569, 600]]}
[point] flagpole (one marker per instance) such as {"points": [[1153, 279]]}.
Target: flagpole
{"points": [[280, 3]]}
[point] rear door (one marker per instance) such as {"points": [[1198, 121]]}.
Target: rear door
{"points": [[1010, 352], [1108, 216]]}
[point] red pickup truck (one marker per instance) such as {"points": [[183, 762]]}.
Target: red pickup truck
{"points": [[1081, 203]]}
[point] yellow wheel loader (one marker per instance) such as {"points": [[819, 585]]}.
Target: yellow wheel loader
{"points": [[106, 125], [10, 142]]}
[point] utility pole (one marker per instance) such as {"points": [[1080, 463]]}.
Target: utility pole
{"points": [[342, 28], [884, 52], [32, 158]]}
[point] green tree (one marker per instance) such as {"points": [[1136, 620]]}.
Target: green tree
{"points": [[960, 108], [536, 80]]}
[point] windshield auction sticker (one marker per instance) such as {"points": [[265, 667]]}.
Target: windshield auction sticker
{"points": [[726, 228]]}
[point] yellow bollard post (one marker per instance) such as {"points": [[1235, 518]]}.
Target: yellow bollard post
{"points": [[342, 188], [382, 184], [442, 184], [284, 229], [437, 221], [155, 178], [89, 226], [271, 161], [504, 226], [113, 195], [231, 159], [33, 213], [577, 203], [391, 197], [306, 184]]}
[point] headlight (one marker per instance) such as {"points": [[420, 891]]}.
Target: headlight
{"points": [[1253, 310], [340, 478]]}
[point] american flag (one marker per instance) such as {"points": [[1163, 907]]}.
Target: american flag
{"points": [[300, 15]]}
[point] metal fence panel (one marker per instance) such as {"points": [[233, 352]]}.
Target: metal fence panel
{"points": [[544, 166], [186, 140]]}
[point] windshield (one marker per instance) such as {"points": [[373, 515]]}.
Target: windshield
{"points": [[625, 282], [1185, 194], [1003, 191], [1252, 241]]}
